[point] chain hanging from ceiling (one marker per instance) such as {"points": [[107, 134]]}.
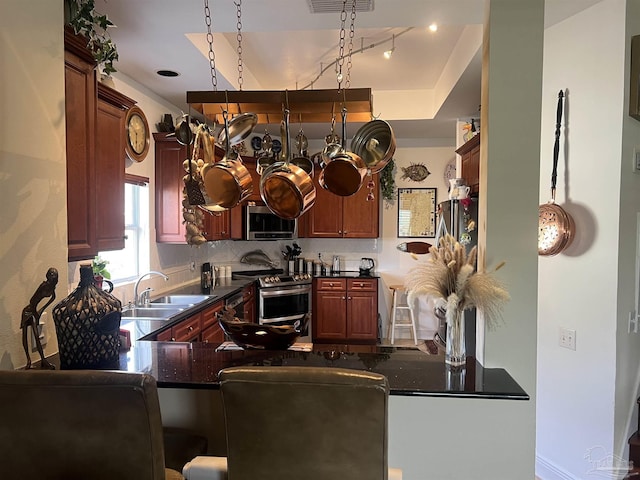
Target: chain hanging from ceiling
{"points": [[212, 56], [342, 41], [238, 5]]}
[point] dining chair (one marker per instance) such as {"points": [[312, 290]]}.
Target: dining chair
{"points": [[80, 424], [316, 423]]}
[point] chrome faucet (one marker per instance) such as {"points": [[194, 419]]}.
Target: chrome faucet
{"points": [[136, 299]]}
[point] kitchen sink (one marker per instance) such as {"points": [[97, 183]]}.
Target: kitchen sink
{"points": [[181, 299], [154, 313]]}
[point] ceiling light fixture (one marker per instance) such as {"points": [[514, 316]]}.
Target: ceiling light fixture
{"points": [[387, 54], [433, 27], [167, 73]]}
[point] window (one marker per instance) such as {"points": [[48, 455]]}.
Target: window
{"points": [[126, 264]]}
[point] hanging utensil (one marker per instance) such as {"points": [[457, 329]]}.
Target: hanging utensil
{"points": [[183, 132], [332, 147], [239, 128], [227, 182], [556, 228], [192, 185], [287, 189], [344, 173]]}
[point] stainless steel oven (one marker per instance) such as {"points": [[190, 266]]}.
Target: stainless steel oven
{"points": [[283, 300]]}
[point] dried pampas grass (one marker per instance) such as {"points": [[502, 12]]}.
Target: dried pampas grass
{"points": [[450, 274]]}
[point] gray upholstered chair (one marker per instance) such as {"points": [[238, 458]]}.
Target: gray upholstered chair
{"points": [[80, 425], [305, 423]]}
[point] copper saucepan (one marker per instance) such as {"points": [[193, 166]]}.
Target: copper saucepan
{"points": [[227, 182], [344, 173], [286, 189]]}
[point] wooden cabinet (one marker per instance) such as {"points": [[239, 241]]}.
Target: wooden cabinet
{"points": [[470, 153], [170, 156], [249, 299], [201, 326], [333, 216], [211, 330], [168, 189], [110, 168], [80, 106], [95, 156], [345, 309]]}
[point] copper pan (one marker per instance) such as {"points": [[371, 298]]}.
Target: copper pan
{"points": [[344, 173], [227, 182], [286, 189]]}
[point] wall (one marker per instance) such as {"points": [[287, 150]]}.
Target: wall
{"points": [[33, 232], [586, 397]]}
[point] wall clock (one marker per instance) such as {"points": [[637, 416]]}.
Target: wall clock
{"points": [[450, 171], [138, 136]]}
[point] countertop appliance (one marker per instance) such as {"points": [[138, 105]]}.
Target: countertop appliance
{"points": [[282, 299], [366, 266], [262, 224]]}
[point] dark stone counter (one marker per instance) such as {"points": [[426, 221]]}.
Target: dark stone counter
{"points": [[410, 371]]}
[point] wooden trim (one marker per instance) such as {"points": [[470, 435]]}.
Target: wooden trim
{"points": [[77, 44], [136, 179], [114, 97]]}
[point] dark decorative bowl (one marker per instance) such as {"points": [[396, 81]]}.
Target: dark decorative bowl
{"points": [[266, 337]]}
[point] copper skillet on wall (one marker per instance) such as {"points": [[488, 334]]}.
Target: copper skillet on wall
{"points": [[227, 182], [344, 172], [556, 228], [286, 189]]}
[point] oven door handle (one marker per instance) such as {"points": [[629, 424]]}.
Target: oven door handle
{"points": [[285, 291]]}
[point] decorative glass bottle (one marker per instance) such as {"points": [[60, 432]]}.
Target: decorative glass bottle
{"points": [[88, 326]]}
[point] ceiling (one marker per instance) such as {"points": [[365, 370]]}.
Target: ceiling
{"points": [[432, 78]]}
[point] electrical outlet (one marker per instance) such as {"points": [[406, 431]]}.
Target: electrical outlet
{"points": [[636, 159], [567, 338], [192, 266]]}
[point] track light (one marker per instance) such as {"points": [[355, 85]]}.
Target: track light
{"points": [[387, 54]]}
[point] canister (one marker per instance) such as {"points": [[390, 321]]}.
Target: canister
{"points": [[309, 266]]}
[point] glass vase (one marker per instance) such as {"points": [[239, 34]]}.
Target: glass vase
{"points": [[455, 350]]}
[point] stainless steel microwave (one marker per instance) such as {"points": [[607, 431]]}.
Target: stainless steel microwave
{"points": [[260, 223]]}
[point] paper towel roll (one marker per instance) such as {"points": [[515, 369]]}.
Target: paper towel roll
{"points": [[206, 468]]}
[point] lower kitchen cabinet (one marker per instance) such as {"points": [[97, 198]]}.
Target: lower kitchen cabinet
{"points": [[249, 305], [202, 326], [345, 309]]}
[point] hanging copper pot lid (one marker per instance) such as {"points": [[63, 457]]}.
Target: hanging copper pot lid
{"points": [[239, 128]]}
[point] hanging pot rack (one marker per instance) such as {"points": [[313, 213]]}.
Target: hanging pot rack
{"points": [[310, 106]]}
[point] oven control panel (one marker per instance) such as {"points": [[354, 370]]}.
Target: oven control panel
{"points": [[283, 280]]}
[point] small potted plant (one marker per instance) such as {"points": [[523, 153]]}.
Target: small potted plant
{"points": [[100, 272], [81, 15]]}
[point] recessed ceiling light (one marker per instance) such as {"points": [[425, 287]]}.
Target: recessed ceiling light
{"points": [[167, 73], [433, 27]]}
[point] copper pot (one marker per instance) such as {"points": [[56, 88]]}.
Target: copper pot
{"points": [[227, 182], [344, 172], [287, 190]]}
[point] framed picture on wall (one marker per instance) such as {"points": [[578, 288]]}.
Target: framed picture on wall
{"points": [[416, 212]]}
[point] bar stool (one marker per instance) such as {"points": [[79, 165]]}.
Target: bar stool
{"points": [[397, 290]]}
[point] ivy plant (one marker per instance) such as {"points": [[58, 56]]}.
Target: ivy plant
{"points": [[94, 26], [387, 182]]}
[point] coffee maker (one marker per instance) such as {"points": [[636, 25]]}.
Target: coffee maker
{"points": [[366, 266]]}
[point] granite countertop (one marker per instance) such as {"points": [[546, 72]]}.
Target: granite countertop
{"points": [[409, 371], [224, 288]]}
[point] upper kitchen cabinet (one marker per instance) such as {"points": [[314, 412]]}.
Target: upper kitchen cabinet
{"points": [[169, 172], [95, 156], [333, 216], [470, 153], [110, 168], [170, 156], [80, 106]]}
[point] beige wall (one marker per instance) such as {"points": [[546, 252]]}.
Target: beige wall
{"points": [[33, 218]]}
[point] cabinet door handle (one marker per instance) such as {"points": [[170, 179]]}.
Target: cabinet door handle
{"points": [[343, 298], [331, 284], [173, 339], [349, 298], [190, 328]]}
